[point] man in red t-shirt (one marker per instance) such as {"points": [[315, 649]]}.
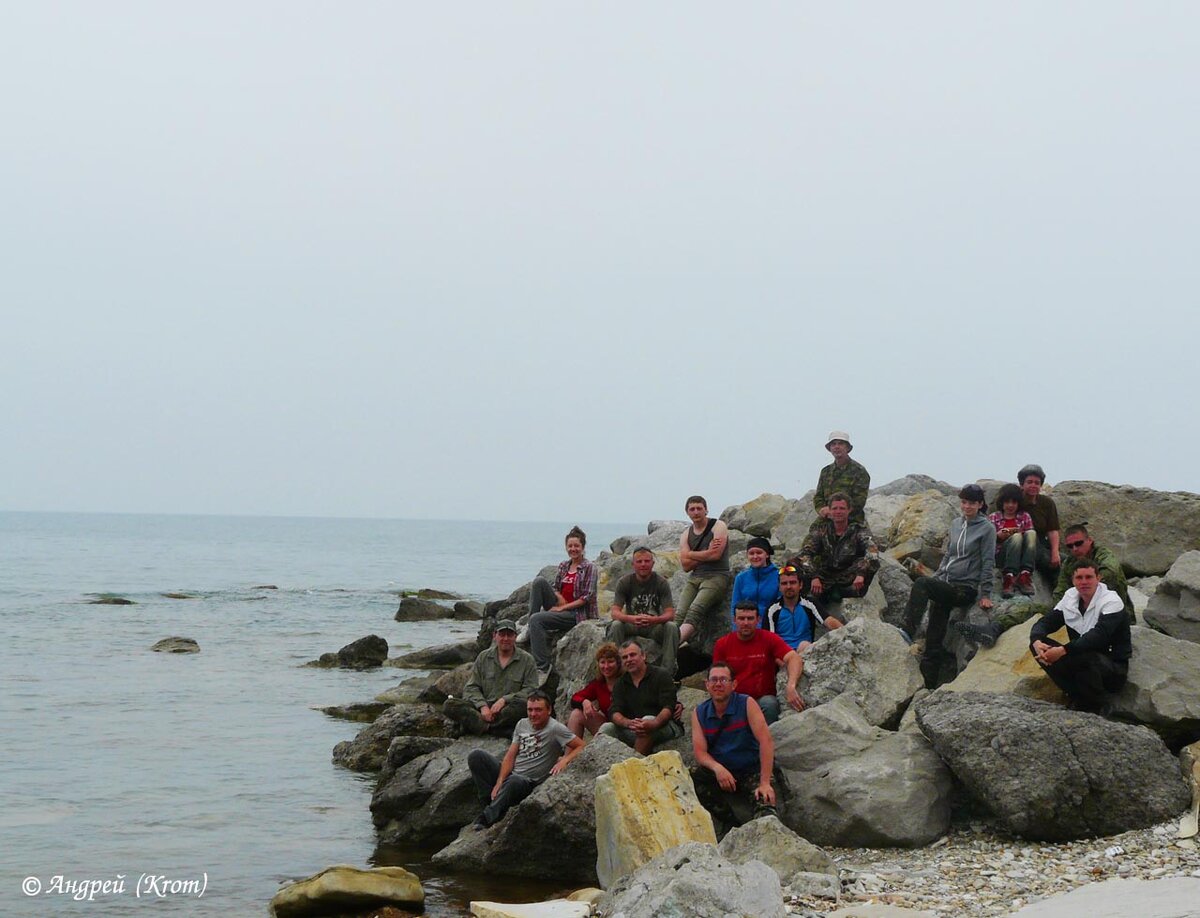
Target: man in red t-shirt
{"points": [[754, 656]]}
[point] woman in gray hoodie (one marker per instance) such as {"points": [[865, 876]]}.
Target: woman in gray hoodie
{"points": [[965, 575]]}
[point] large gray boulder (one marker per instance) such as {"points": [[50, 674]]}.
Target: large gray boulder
{"points": [[431, 795], [1163, 690], [880, 511], [759, 516], [1169, 897], [923, 524], [896, 584], [1049, 773], [790, 856], [575, 662], [914, 484], [1174, 608], [789, 533], [403, 749], [447, 684], [368, 750], [554, 828], [1147, 529], [366, 653], [441, 656], [694, 880], [853, 784], [868, 661], [415, 609]]}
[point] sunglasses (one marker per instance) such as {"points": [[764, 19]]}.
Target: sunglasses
{"points": [[788, 569], [1076, 544]]}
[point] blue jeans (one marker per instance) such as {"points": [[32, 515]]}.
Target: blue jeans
{"points": [[544, 625], [1018, 552]]}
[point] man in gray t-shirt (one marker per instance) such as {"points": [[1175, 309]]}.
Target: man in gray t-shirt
{"points": [[541, 747], [642, 608]]}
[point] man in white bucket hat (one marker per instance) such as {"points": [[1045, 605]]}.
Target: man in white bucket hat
{"points": [[843, 474]]}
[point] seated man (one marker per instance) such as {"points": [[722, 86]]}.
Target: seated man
{"points": [[642, 607], [1080, 547], [734, 750], [643, 701], [1096, 661], [704, 554], [838, 557], [1044, 513], [754, 656], [537, 751], [494, 697], [794, 619]]}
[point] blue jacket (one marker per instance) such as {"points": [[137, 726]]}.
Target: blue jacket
{"points": [[757, 584]]}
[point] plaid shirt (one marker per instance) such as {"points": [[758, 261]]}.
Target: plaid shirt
{"points": [[585, 587]]}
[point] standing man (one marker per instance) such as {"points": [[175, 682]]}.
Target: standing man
{"points": [[1081, 546], [794, 619], [642, 607], [494, 697], [754, 656], [1096, 661], [734, 751], [845, 475], [838, 556], [704, 554], [1044, 513], [538, 742], [643, 702]]}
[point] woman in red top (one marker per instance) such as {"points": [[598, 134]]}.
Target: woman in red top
{"points": [[590, 705], [555, 608]]}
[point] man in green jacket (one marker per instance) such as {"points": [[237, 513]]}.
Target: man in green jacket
{"points": [[494, 697], [845, 475], [1080, 545]]}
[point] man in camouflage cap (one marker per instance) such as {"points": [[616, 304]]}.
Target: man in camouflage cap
{"points": [[845, 475]]}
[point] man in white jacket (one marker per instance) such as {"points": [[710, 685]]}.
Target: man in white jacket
{"points": [[1095, 662]]}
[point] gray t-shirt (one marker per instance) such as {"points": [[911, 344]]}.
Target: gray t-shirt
{"points": [[643, 597], [538, 751]]}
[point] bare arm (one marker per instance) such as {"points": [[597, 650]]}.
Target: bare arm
{"points": [[795, 665], [716, 548], [573, 749]]}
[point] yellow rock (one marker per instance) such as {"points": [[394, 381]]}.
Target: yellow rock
{"points": [[1009, 667], [643, 808], [554, 908], [342, 888]]}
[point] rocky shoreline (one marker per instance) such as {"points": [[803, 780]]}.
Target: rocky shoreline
{"points": [[875, 760]]}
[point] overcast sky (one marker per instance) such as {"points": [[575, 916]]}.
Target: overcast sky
{"points": [[565, 261]]}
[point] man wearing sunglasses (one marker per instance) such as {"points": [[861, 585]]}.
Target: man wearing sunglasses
{"points": [[1082, 546], [735, 754]]}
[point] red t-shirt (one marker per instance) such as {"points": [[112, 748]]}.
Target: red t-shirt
{"points": [[752, 661], [568, 586]]}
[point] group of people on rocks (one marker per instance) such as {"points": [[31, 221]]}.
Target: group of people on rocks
{"points": [[777, 613]]}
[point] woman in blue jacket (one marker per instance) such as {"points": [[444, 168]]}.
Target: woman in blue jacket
{"points": [[758, 583]]}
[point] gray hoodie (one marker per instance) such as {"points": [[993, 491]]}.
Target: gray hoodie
{"points": [[970, 554]]}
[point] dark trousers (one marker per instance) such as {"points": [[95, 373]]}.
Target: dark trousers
{"points": [[485, 769], [941, 598], [1086, 678], [836, 587], [1042, 560], [545, 627], [731, 808]]}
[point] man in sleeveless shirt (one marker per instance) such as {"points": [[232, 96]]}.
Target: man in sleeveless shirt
{"points": [[704, 554], [735, 754]]}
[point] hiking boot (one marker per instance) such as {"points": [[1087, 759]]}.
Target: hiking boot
{"points": [[979, 635], [1006, 589], [1025, 583]]}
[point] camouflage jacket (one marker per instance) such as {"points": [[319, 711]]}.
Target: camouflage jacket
{"points": [[1111, 575], [853, 479], [829, 556]]}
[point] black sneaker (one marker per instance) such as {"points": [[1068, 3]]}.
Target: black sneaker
{"points": [[981, 635], [479, 824]]}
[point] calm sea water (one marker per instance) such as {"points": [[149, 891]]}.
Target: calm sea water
{"points": [[212, 768]]}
